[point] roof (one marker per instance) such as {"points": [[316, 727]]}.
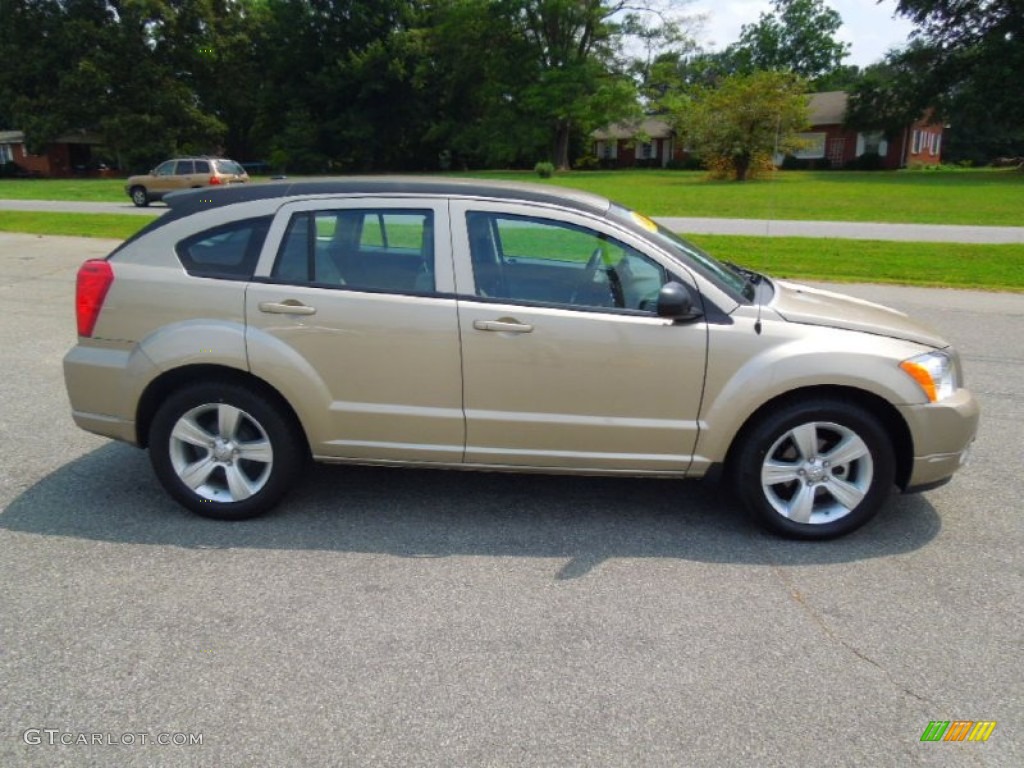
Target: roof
{"points": [[827, 107], [12, 137], [653, 127], [190, 201]]}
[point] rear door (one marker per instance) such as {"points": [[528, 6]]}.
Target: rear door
{"points": [[352, 315], [565, 364]]}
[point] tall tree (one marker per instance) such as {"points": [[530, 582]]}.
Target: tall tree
{"points": [[969, 54], [577, 84], [799, 37], [122, 68], [885, 97], [739, 125]]}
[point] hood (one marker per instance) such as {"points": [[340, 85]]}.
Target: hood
{"points": [[803, 304]]}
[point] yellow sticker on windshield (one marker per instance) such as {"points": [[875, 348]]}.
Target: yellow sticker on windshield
{"points": [[644, 222]]}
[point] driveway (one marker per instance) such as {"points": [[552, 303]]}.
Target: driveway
{"points": [[415, 618]]}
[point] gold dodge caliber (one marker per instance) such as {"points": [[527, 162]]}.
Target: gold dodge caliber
{"points": [[476, 325]]}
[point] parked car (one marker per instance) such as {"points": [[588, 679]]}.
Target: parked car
{"points": [[478, 325], [183, 173]]}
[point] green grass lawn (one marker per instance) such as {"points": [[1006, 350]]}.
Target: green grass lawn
{"points": [[117, 226], [78, 190], [950, 265], [984, 197], [981, 197], [944, 265]]}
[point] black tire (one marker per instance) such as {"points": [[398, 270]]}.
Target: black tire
{"points": [[243, 451], [838, 488], [139, 196]]}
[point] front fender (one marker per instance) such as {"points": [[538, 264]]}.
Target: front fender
{"points": [[746, 370]]}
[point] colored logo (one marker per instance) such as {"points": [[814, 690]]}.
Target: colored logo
{"points": [[958, 730]]}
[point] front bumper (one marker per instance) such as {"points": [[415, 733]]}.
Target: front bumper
{"points": [[942, 434]]}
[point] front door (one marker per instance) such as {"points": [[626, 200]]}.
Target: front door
{"points": [[565, 363]]}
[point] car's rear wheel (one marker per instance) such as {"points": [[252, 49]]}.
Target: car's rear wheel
{"points": [[225, 452], [140, 196], [815, 470]]}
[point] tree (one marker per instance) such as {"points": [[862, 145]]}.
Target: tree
{"points": [[124, 69], [798, 37], [885, 97], [577, 83], [967, 55], [742, 123]]}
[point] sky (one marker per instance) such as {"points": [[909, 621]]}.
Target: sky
{"points": [[868, 26]]}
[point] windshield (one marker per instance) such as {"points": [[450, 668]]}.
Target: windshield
{"points": [[688, 253]]}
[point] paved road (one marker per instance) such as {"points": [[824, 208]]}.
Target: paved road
{"points": [[694, 226], [401, 618]]}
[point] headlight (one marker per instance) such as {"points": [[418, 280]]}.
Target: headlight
{"points": [[934, 372]]}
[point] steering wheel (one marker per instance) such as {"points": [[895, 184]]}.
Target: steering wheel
{"points": [[587, 276], [586, 281]]}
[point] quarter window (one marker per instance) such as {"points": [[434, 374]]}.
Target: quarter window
{"points": [[370, 250], [537, 260], [229, 251]]}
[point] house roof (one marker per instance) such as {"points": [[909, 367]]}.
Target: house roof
{"points": [[12, 137], [827, 107], [654, 127]]}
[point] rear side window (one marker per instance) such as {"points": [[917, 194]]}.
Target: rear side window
{"points": [[185, 167], [202, 166], [387, 250], [228, 166], [229, 251]]}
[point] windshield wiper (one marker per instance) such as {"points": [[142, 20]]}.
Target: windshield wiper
{"points": [[751, 275]]}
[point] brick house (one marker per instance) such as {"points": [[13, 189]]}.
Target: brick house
{"points": [[831, 145], [649, 142], [69, 155], [652, 142]]}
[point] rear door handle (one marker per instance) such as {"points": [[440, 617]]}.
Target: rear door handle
{"points": [[502, 326], [286, 307]]}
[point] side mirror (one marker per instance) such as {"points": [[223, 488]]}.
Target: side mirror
{"points": [[676, 302]]}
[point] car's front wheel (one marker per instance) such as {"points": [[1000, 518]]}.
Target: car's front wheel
{"points": [[815, 470], [225, 452], [140, 196]]}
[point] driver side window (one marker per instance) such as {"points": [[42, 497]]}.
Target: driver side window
{"points": [[522, 258]]}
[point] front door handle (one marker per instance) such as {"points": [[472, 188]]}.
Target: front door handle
{"points": [[502, 326], [286, 307]]}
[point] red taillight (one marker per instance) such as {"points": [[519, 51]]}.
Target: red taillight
{"points": [[215, 180], [94, 280]]}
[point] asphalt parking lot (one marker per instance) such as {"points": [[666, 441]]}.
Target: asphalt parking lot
{"points": [[413, 618]]}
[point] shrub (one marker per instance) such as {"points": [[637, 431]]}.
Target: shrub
{"points": [[587, 163], [869, 161], [688, 163], [544, 169], [790, 163]]}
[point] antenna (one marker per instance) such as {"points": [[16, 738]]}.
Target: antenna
{"points": [[771, 211]]}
